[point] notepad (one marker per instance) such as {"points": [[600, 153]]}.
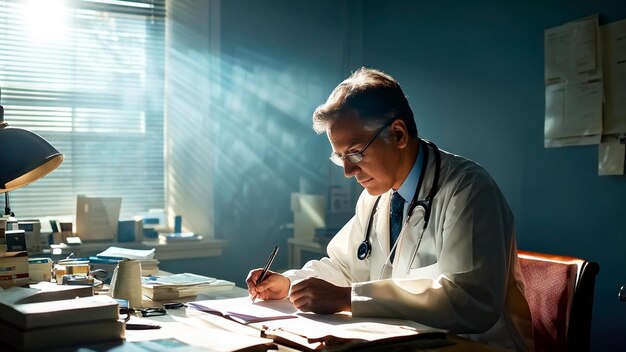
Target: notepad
{"points": [[243, 311]]}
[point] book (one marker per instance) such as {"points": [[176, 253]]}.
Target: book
{"points": [[341, 331], [45, 314], [182, 285], [243, 311], [49, 291], [61, 335], [331, 343]]}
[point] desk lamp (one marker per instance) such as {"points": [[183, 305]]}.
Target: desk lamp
{"points": [[24, 158]]}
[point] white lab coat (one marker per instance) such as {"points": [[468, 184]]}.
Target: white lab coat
{"points": [[464, 277]]}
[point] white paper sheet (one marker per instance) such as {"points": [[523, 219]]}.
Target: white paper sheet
{"points": [[97, 218], [137, 254], [573, 111], [611, 155], [570, 51], [574, 87], [614, 63]]}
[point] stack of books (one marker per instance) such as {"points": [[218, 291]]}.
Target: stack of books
{"points": [[56, 324], [159, 288]]}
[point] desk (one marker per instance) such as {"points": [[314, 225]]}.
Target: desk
{"points": [[207, 332], [172, 323]]}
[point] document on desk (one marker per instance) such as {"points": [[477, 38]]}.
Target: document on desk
{"points": [[341, 331], [242, 310], [282, 322]]}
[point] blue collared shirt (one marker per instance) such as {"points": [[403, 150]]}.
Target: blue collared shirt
{"points": [[409, 186]]}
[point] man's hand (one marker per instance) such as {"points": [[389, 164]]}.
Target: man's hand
{"points": [[319, 296], [274, 286]]}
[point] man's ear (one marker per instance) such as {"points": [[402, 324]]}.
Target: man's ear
{"points": [[399, 133]]}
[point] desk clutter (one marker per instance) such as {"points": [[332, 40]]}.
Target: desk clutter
{"points": [[76, 310]]}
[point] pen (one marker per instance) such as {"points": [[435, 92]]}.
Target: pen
{"points": [[265, 269]]}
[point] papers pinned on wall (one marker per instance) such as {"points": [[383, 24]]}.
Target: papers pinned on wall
{"points": [[573, 79], [585, 89], [614, 63]]}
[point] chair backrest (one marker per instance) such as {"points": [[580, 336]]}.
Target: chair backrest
{"points": [[559, 290]]}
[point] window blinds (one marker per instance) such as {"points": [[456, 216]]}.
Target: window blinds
{"points": [[87, 76]]}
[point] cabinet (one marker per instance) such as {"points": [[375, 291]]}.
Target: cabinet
{"points": [[297, 246]]}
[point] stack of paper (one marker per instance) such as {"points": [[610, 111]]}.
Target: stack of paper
{"points": [[180, 236], [46, 325], [181, 285], [108, 259], [138, 254]]}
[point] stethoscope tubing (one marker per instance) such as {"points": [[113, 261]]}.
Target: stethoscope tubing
{"points": [[365, 247]]}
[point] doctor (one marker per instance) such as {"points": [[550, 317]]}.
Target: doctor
{"points": [[432, 239]]}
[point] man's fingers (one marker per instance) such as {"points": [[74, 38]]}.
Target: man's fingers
{"points": [[302, 303]]}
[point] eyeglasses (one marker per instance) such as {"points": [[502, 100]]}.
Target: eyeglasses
{"points": [[150, 312], [355, 157]]}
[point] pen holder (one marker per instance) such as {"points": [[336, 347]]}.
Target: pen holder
{"points": [[126, 282]]}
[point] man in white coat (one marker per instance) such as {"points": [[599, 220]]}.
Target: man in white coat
{"points": [[432, 239]]}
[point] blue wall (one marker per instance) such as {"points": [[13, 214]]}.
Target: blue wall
{"points": [[474, 75], [473, 72]]}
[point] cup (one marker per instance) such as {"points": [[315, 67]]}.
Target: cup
{"points": [[126, 282]]}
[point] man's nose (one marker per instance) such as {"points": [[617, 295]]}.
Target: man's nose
{"points": [[350, 169]]}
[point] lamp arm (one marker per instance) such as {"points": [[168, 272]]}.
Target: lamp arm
{"points": [[7, 205], [2, 123]]}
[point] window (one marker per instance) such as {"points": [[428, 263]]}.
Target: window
{"points": [[88, 76]]}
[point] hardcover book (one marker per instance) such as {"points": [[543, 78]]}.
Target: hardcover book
{"points": [[53, 313]]}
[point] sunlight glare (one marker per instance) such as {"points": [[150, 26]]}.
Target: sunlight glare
{"points": [[45, 19]]}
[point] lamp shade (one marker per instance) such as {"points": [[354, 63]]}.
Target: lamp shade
{"points": [[24, 157]]}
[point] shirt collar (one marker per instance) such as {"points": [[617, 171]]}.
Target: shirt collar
{"points": [[409, 186]]}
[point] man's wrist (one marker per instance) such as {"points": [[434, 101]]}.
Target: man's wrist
{"points": [[348, 303]]}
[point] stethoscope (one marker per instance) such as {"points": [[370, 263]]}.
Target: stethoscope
{"points": [[365, 248]]}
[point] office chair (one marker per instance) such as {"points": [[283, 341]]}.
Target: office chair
{"points": [[559, 290]]}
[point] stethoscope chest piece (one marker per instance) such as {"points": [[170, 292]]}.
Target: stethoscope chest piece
{"points": [[364, 250]]}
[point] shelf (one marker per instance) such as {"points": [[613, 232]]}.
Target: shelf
{"points": [[164, 251]]}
